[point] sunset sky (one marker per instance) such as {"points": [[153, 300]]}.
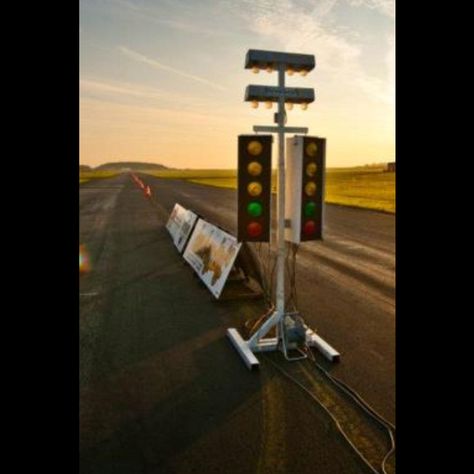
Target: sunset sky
{"points": [[163, 81]]}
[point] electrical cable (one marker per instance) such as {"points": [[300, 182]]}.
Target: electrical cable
{"points": [[259, 321], [272, 275], [336, 421], [295, 248], [264, 273], [291, 271], [363, 404], [292, 248], [352, 393]]}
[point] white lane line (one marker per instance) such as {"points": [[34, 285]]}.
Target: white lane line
{"points": [[94, 293]]}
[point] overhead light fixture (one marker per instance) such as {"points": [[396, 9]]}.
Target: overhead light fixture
{"points": [[295, 95]]}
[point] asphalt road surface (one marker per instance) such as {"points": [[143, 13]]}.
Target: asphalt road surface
{"points": [[161, 388]]}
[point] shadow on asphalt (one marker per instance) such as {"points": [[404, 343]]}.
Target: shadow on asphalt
{"points": [[172, 435]]}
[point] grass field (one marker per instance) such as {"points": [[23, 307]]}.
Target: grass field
{"points": [[368, 187], [85, 176]]}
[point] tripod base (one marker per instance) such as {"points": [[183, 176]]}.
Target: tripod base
{"points": [[242, 348], [246, 349]]}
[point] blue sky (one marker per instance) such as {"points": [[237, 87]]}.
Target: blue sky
{"points": [[163, 81]]}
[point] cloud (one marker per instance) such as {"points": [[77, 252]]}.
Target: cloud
{"points": [[155, 13], [294, 27], [88, 85], [157, 65], [143, 114], [99, 116], [386, 7], [104, 89], [187, 27], [129, 5]]}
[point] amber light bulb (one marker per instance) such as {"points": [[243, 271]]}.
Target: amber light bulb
{"points": [[254, 189], [254, 168], [254, 148]]}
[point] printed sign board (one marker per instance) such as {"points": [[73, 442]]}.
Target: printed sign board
{"points": [[180, 224], [211, 252]]}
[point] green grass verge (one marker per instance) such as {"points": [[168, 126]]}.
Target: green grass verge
{"points": [[370, 189], [85, 176], [367, 187], [193, 174]]}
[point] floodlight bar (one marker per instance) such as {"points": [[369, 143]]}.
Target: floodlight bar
{"points": [[293, 95], [258, 58]]}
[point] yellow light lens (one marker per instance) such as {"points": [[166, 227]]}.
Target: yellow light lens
{"points": [[311, 169], [254, 148], [311, 149], [254, 168], [304, 106], [290, 71], [268, 104], [255, 70], [303, 72], [254, 104], [289, 106], [269, 69], [310, 189], [254, 188]]}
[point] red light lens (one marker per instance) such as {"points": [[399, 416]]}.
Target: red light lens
{"points": [[254, 229], [309, 227]]}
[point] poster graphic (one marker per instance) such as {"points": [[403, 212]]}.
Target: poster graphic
{"points": [[180, 225], [211, 252]]}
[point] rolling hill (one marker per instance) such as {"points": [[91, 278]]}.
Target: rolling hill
{"points": [[132, 165]]}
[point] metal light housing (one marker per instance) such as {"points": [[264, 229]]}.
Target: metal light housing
{"points": [[293, 95], [261, 59]]}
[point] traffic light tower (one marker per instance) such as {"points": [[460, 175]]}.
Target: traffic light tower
{"points": [[254, 188], [257, 60], [305, 181]]}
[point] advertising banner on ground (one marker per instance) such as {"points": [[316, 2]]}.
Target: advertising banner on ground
{"points": [[180, 224], [211, 252]]}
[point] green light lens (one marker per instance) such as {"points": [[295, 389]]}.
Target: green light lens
{"points": [[255, 209], [310, 209]]}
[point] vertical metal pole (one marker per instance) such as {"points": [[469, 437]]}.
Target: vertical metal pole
{"points": [[280, 287]]}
